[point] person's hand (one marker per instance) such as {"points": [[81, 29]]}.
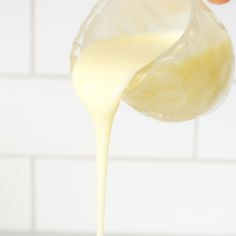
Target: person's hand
{"points": [[219, 1]]}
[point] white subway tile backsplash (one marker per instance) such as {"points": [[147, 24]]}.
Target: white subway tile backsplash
{"points": [[138, 136], [46, 117], [177, 198], [142, 197], [15, 36], [217, 131], [66, 195], [43, 117], [57, 23], [15, 190]]}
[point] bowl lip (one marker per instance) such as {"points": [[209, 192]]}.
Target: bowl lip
{"points": [[100, 3], [194, 4], [77, 45], [85, 24]]}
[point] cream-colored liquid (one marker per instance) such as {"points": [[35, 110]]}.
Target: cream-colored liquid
{"points": [[102, 76]]}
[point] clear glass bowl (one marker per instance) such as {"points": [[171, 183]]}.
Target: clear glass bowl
{"points": [[177, 92]]}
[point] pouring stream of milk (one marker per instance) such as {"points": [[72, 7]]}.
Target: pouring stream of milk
{"points": [[103, 73], [100, 76]]}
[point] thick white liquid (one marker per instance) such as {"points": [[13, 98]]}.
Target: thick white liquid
{"points": [[103, 73], [100, 76]]}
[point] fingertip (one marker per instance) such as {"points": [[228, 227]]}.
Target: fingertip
{"points": [[219, 1]]}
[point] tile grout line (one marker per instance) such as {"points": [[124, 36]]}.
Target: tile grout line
{"points": [[33, 194], [55, 233], [42, 76], [32, 73], [33, 37], [35, 76], [161, 160]]}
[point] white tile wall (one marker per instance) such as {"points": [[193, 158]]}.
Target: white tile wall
{"points": [[217, 131], [14, 36], [45, 117], [57, 23], [69, 188], [15, 200], [184, 199], [42, 118], [136, 136], [142, 197]]}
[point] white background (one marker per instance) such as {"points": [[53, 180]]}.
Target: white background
{"points": [[164, 178]]}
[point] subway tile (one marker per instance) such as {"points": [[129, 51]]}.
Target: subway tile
{"points": [[15, 36], [42, 117], [15, 203], [143, 197], [182, 199], [57, 23], [45, 117], [66, 195], [135, 135], [217, 131]]}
